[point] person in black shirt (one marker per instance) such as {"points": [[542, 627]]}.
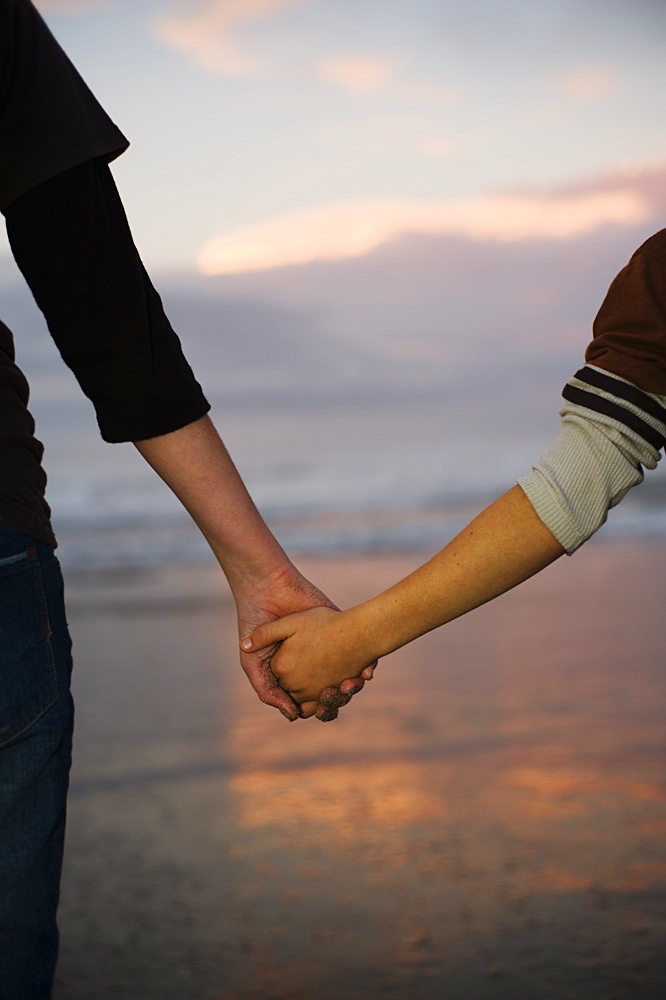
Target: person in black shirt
{"points": [[70, 238]]}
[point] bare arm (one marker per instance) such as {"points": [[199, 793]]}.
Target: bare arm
{"points": [[195, 464], [613, 426], [610, 431], [504, 545], [72, 241]]}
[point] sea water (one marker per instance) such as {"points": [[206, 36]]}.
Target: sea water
{"points": [[343, 451], [364, 479]]}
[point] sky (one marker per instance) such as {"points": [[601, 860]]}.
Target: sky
{"points": [[433, 183], [395, 217], [276, 132]]}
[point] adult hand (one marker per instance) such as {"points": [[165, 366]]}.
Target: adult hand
{"points": [[317, 648], [283, 593], [195, 464]]}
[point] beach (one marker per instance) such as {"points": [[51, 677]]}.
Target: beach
{"points": [[485, 820]]}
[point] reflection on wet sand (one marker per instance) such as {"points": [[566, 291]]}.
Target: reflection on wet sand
{"points": [[486, 820], [389, 793], [509, 845], [461, 880], [555, 810]]}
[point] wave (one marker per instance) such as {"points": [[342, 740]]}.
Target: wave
{"points": [[142, 542]]}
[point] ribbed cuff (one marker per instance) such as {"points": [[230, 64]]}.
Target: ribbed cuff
{"points": [[550, 510]]}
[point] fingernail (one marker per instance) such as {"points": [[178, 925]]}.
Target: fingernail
{"points": [[246, 643]]}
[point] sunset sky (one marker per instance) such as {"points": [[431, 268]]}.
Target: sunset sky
{"points": [[382, 228], [268, 132]]}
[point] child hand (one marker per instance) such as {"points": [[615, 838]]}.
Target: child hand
{"points": [[320, 649]]}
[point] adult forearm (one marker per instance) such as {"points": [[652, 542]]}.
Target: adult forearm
{"points": [[196, 466], [266, 585], [502, 547]]}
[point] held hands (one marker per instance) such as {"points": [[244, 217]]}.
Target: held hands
{"points": [[320, 648], [265, 584], [264, 606]]}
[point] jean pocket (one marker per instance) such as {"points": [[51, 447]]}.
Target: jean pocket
{"points": [[28, 683]]}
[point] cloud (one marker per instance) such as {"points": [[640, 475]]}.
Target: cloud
{"points": [[588, 83], [427, 92], [356, 72], [207, 33], [366, 72], [648, 182], [443, 147], [355, 228]]}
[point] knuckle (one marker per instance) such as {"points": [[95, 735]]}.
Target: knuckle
{"points": [[329, 715]]}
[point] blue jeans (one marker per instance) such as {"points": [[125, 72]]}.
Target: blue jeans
{"points": [[36, 718]]}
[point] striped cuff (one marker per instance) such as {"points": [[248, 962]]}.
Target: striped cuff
{"points": [[597, 390], [610, 429]]}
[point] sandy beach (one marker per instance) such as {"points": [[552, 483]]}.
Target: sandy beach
{"points": [[486, 820]]}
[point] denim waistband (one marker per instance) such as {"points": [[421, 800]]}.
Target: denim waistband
{"points": [[13, 541]]}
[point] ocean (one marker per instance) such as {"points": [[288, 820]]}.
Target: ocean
{"points": [[344, 448], [326, 482]]}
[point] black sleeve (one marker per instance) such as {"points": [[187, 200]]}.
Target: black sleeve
{"points": [[49, 119], [72, 242]]}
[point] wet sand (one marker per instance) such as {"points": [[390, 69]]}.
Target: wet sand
{"points": [[486, 820]]}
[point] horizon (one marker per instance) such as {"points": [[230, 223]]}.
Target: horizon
{"points": [[451, 285]]}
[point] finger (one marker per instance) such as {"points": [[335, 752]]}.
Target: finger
{"points": [[352, 685], [278, 698], [333, 697], [331, 700], [326, 714], [264, 636], [308, 709], [266, 686]]}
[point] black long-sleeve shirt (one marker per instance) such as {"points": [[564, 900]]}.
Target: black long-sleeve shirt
{"points": [[73, 245], [49, 119], [69, 235]]}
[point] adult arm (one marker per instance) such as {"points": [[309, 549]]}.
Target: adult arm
{"points": [[72, 242], [195, 464]]}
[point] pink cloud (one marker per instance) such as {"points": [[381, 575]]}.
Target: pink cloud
{"points": [[355, 228], [206, 31], [443, 147], [588, 83], [357, 72], [366, 72], [648, 182]]}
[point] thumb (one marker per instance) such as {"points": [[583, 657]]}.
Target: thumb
{"points": [[265, 635]]}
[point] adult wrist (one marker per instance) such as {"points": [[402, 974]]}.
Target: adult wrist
{"points": [[247, 574]]}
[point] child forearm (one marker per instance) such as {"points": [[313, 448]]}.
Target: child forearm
{"points": [[504, 545]]}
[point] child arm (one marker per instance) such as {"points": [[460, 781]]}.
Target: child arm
{"points": [[504, 545]]}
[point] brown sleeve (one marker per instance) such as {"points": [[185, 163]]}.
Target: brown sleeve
{"points": [[630, 328]]}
